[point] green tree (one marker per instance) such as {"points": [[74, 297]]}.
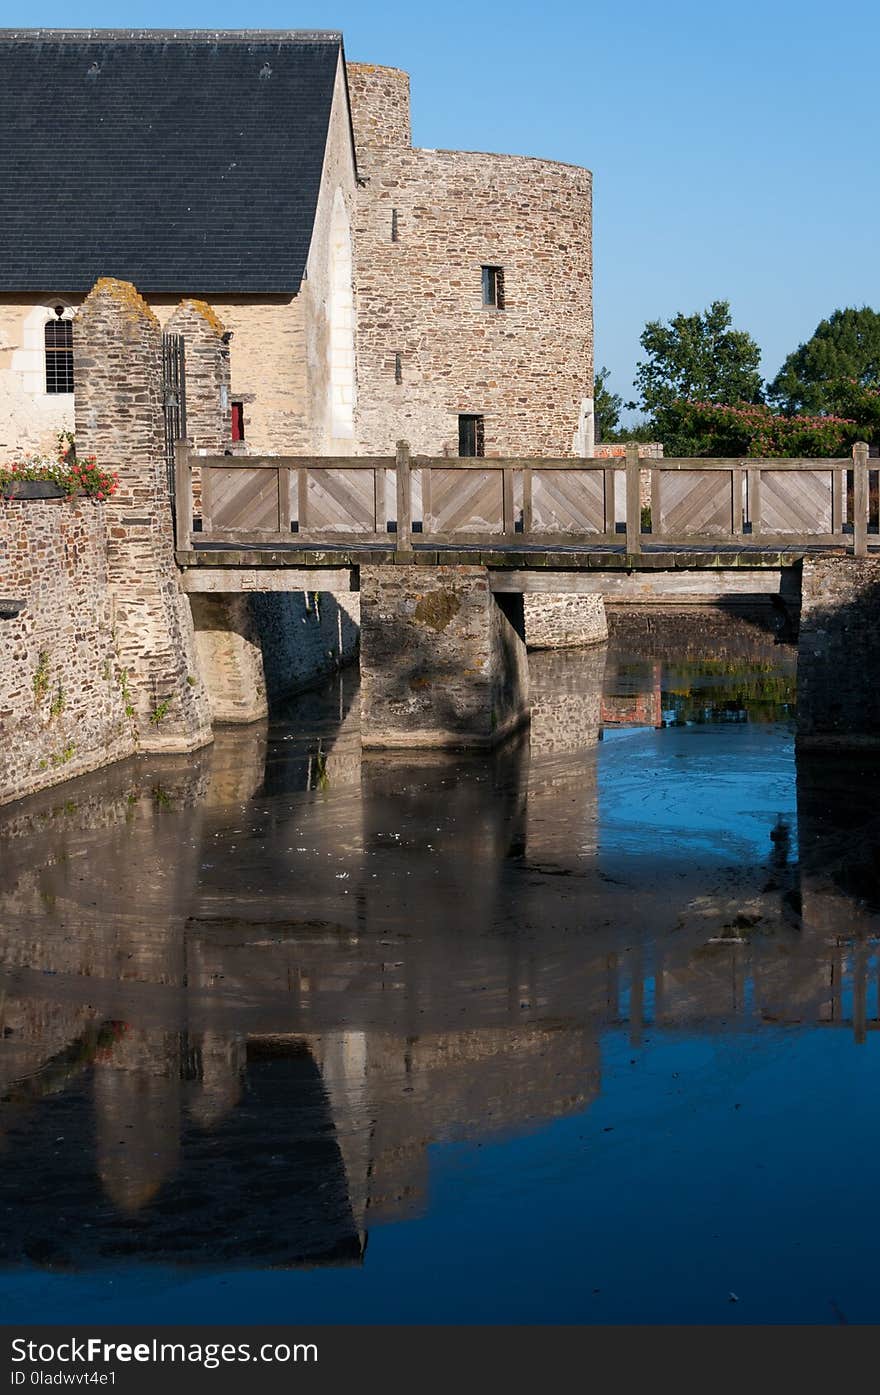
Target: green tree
{"points": [[845, 347], [700, 358], [607, 406]]}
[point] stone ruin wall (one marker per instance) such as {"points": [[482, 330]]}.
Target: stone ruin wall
{"points": [[528, 368], [62, 699]]}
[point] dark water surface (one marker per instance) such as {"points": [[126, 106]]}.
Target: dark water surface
{"points": [[582, 1032]]}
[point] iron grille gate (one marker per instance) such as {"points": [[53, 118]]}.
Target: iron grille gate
{"points": [[173, 399]]}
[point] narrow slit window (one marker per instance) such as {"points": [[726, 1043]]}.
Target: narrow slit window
{"points": [[59, 353], [398, 368], [470, 436], [493, 286], [395, 230], [238, 421]]}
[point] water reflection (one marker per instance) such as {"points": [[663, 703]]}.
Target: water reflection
{"points": [[244, 994]]}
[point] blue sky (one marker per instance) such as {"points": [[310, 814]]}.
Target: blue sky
{"points": [[734, 147]]}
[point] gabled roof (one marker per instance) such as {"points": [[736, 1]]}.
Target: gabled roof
{"points": [[186, 161]]}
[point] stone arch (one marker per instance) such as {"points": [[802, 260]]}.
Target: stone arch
{"points": [[341, 312]]}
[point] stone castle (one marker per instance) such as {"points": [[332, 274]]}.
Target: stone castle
{"points": [[369, 291]]}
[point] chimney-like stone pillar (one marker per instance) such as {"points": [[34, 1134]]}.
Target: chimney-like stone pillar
{"points": [[208, 408], [119, 420]]}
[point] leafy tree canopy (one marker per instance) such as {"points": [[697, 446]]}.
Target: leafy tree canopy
{"points": [[845, 347], [607, 406], [698, 357]]}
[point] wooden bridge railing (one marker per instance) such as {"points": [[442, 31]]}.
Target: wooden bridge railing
{"points": [[505, 503]]}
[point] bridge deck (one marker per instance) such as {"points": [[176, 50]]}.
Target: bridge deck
{"points": [[568, 558]]}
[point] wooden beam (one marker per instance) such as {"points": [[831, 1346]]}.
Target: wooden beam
{"points": [[404, 497], [860, 499], [633, 508]]}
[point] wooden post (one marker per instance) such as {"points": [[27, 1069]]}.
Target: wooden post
{"points": [[379, 499], [838, 494], [656, 503], [633, 508], [508, 524], [283, 500], [183, 495], [860, 499], [609, 492], [736, 502], [302, 499], [404, 498], [753, 474], [527, 500]]}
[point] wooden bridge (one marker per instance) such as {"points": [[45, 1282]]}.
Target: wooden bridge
{"points": [[442, 552], [568, 513]]}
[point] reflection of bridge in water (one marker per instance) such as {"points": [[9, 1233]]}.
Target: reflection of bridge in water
{"points": [[248, 991]]}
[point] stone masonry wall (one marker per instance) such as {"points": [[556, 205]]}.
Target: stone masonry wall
{"points": [[443, 661], [119, 420], [62, 698], [564, 622], [380, 110], [304, 637], [838, 673], [527, 368], [208, 417]]}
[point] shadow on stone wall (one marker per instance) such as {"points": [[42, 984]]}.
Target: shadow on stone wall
{"points": [[839, 653], [305, 636]]}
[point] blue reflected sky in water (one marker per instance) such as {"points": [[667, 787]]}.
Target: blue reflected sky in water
{"points": [[710, 1165], [708, 793]]}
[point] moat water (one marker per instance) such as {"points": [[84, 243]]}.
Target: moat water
{"points": [[582, 1032]]}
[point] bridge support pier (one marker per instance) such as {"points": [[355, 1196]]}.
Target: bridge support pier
{"points": [[443, 660], [230, 658], [839, 654]]}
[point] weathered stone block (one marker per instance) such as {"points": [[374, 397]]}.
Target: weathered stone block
{"points": [[443, 660]]}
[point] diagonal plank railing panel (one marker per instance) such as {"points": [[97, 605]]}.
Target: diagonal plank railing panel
{"points": [[519, 503]]}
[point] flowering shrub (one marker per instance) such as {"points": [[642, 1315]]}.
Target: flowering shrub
{"points": [[78, 476], [755, 431]]}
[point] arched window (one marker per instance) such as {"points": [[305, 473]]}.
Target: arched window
{"points": [[59, 353]]}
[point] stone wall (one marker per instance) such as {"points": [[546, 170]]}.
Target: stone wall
{"points": [[119, 421], [62, 694], [443, 661], [208, 417], [838, 671], [427, 221], [564, 622], [304, 637]]}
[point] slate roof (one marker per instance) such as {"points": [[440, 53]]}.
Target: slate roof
{"points": [[186, 161]]}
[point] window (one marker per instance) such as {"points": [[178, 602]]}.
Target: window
{"points": [[238, 421], [470, 435], [493, 286], [58, 338], [395, 231], [398, 368]]}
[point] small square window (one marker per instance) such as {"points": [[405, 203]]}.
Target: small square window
{"points": [[470, 436], [493, 286]]}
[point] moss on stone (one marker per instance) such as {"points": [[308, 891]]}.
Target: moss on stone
{"points": [[438, 609]]}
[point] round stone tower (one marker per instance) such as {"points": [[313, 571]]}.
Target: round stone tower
{"points": [[379, 106]]}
